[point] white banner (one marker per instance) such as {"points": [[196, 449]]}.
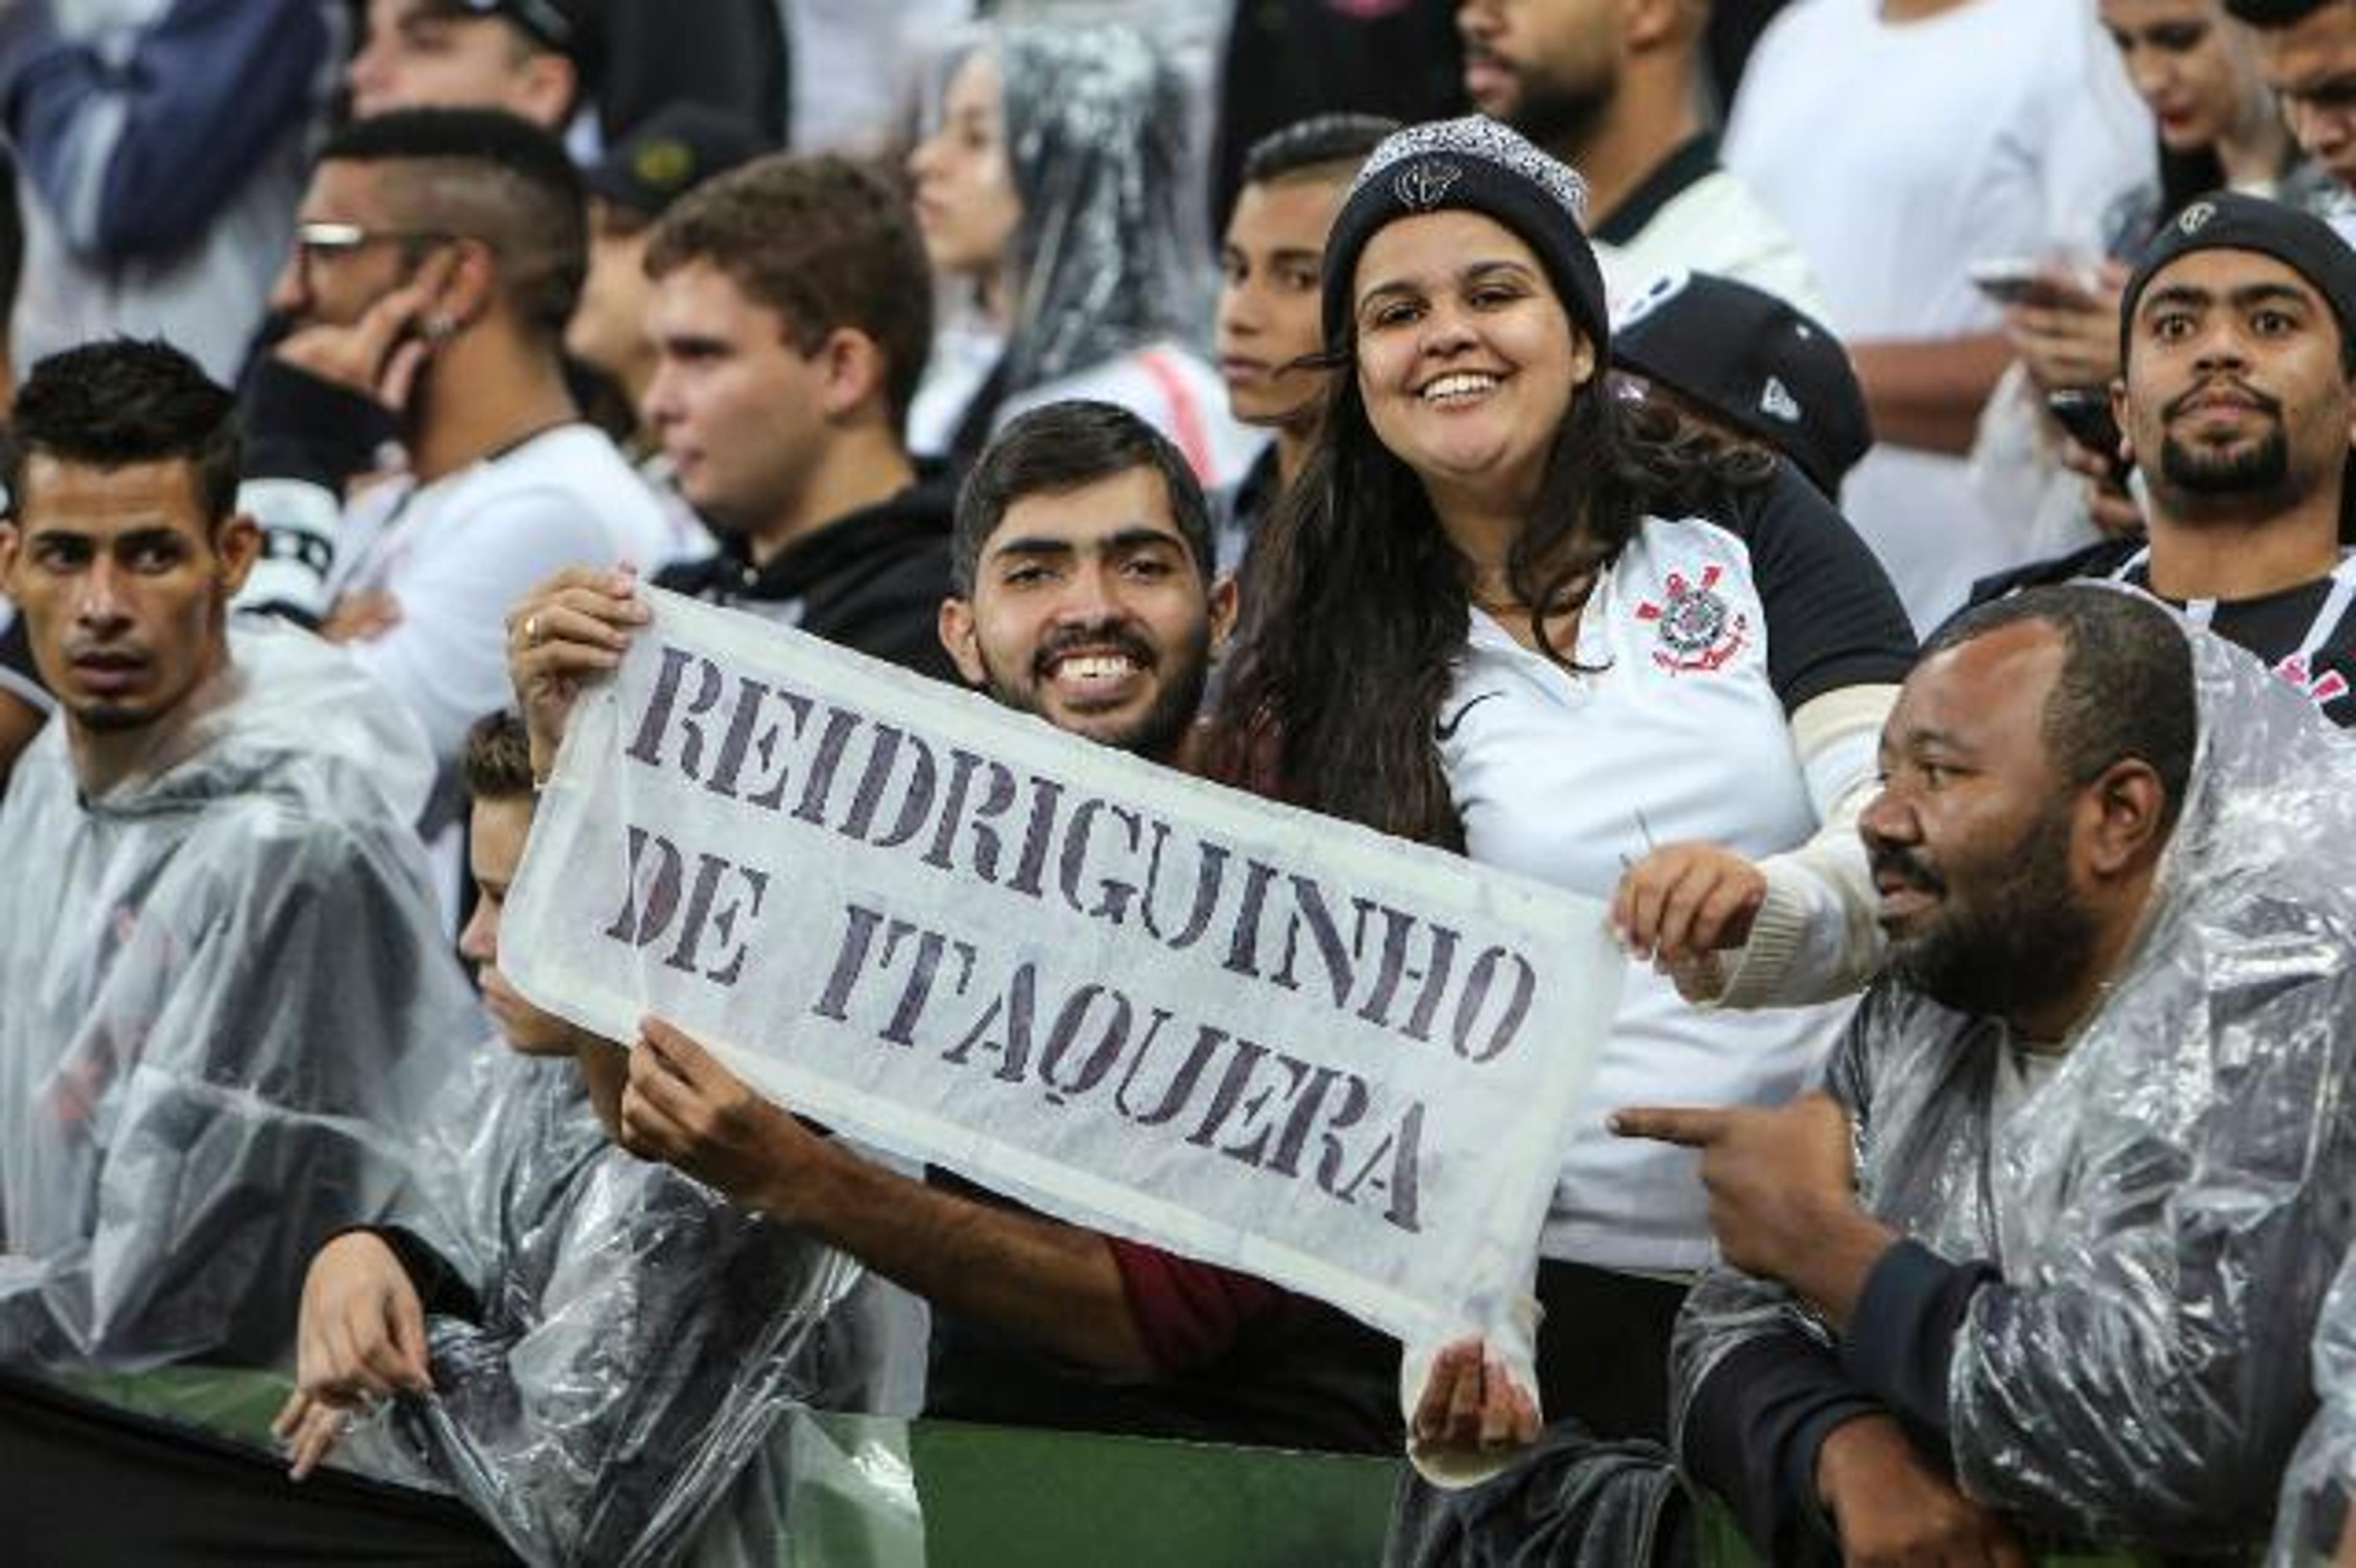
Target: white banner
{"points": [[1241, 1031]]}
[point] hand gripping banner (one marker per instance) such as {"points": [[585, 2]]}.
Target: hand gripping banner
{"points": [[1144, 1003]]}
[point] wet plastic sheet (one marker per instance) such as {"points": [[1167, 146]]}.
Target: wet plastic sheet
{"points": [[2319, 1487], [224, 1000], [1097, 138], [639, 1339], [2168, 1207]]}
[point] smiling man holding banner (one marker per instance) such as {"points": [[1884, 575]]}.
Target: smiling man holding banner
{"points": [[1151, 1008]]}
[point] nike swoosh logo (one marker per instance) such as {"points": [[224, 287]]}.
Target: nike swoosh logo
{"points": [[1446, 728]]}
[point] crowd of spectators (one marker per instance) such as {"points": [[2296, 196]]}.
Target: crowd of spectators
{"points": [[1857, 488]]}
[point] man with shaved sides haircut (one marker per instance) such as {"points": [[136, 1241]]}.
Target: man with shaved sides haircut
{"points": [[438, 255]]}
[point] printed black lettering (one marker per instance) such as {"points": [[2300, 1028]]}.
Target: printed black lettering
{"points": [[996, 798], [653, 897], [662, 707], [825, 760], [1477, 985], [1098, 1061], [1017, 1009], [850, 960]]}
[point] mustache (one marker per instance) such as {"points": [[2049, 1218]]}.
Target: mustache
{"points": [[1101, 635], [1892, 863], [117, 651], [2256, 399]]}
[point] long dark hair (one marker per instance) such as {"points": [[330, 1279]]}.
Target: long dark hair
{"points": [[1356, 605]]}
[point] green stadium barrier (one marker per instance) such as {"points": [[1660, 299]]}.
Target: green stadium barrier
{"points": [[1021, 1498], [994, 1497]]}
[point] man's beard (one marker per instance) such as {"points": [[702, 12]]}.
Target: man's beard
{"points": [[2250, 470], [1562, 119], [1155, 734], [112, 718], [2024, 942]]}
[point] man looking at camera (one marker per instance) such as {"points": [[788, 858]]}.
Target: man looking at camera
{"points": [[2238, 336], [1085, 594], [227, 998]]}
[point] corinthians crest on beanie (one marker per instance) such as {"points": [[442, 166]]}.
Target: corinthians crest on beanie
{"points": [[1471, 164]]}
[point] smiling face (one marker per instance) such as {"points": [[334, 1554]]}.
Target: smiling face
{"points": [[494, 850], [967, 205], [1467, 361], [1089, 611], [1972, 838], [2233, 378], [1270, 267], [123, 584], [2190, 65]]}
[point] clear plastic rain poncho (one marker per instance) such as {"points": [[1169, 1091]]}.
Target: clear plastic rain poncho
{"points": [[2320, 1487], [638, 1338], [1097, 137], [2167, 1208], [224, 996]]}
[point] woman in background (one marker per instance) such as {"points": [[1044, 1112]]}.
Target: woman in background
{"points": [[1049, 193]]}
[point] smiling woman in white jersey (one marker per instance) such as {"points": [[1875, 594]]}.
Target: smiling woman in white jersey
{"points": [[1506, 612]]}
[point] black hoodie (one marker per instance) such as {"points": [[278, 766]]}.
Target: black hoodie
{"points": [[870, 581]]}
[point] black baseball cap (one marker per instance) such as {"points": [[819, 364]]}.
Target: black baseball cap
{"points": [[672, 152], [2273, 12], [1751, 359], [2229, 220], [556, 24]]}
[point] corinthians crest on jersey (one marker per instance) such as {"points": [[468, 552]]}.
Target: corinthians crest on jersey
{"points": [[1696, 630]]}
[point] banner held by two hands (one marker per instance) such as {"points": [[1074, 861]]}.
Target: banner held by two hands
{"points": [[1146, 1003]]}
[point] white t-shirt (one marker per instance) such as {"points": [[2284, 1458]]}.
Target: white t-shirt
{"points": [[457, 553], [1899, 153], [966, 349], [1698, 641], [1712, 225]]}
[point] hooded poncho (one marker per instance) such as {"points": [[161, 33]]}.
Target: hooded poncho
{"points": [[633, 1341], [224, 997]]}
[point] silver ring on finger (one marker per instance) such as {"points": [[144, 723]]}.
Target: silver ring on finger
{"points": [[532, 630]]}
